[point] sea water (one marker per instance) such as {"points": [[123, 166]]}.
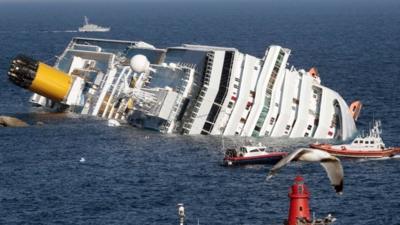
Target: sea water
{"points": [[132, 176]]}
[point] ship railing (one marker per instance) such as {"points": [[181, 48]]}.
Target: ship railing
{"points": [[126, 71]]}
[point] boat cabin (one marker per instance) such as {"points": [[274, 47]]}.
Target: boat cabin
{"points": [[372, 141], [368, 142], [252, 150]]}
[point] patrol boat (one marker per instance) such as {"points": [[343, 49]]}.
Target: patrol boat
{"points": [[252, 155], [370, 146], [187, 89], [89, 27]]}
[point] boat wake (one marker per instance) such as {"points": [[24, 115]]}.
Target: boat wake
{"points": [[64, 31], [379, 159]]}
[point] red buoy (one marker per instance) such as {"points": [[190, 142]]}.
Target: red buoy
{"points": [[299, 196]]}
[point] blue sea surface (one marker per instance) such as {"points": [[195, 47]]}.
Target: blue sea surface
{"points": [[133, 176]]}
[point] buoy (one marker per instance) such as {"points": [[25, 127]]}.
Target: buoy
{"points": [[82, 160], [299, 207]]}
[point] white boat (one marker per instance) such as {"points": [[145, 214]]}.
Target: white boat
{"points": [[89, 27], [370, 146]]}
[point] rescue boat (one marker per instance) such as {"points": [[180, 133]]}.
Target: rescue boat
{"points": [[370, 146], [245, 155]]}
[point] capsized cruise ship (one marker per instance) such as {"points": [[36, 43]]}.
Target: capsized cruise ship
{"points": [[188, 89]]}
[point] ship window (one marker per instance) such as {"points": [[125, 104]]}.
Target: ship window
{"points": [[237, 79], [372, 142], [230, 104], [257, 128], [236, 86], [254, 150], [366, 142], [309, 127], [361, 141], [306, 135], [287, 127], [356, 142]]}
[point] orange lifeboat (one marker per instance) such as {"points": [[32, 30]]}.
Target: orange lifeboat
{"points": [[314, 72], [355, 109]]}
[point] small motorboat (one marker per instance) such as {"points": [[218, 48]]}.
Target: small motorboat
{"points": [[370, 146], [251, 155]]}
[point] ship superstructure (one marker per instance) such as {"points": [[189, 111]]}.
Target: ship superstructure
{"points": [[195, 89]]}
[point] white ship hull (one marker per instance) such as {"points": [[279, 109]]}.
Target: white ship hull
{"points": [[195, 89]]}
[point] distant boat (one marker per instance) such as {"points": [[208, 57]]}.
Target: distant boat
{"points": [[88, 27]]}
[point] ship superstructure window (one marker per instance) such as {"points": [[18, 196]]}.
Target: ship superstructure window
{"points": [[208, 62], [223, 90], [270, 86]]}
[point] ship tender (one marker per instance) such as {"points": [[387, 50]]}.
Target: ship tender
{"points": [[189, 89]]}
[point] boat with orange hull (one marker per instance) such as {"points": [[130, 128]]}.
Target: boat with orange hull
{"points": [[370, 146]]}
